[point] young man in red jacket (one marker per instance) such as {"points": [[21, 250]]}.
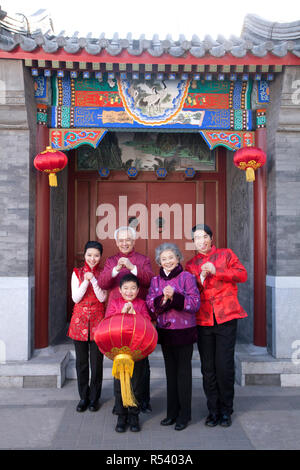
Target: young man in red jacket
{"points": [[217, 270]]}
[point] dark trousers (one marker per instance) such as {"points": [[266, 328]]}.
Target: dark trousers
{"points": [[137, 383], [216, 347], [178, 365], [88, 356]]}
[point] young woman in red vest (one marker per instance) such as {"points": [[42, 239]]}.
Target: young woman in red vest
{"points": [[88, 311]]}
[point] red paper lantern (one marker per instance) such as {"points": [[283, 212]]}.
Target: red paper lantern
{"points": [[249, 159], [51, 161], [125, 338]]}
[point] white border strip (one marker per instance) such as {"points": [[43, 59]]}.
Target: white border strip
{"points": [[13, 282], [283, 282]]}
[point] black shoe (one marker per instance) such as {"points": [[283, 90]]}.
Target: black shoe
{"points": [[114, 411], [134, 423], [225, 420], [121, 423], [94, 405], [212, 420], [146, 408], [180, 426], [167, 421], [82, 405]]}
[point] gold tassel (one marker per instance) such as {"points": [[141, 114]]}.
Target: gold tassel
{"points": [[52, 179], [122, 370], [250, 175]]}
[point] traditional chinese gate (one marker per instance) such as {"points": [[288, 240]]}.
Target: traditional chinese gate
{"points": [[84, 109]]}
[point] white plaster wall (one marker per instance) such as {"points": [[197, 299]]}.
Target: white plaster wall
{"points": [[285, 315], [15, 293]]}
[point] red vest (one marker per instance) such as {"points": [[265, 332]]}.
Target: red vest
{"points": [[87, 313]]}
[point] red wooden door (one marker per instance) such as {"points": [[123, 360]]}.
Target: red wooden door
{"points": [[171, 215], [97, 207], [114, 199]]}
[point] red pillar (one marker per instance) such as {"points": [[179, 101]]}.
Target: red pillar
{"points": [[260, 245], [42, 243]]}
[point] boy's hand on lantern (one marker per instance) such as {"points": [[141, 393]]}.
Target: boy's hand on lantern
{"points": [[128, 308], [125, 308]]}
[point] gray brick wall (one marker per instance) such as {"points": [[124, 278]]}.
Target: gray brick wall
{"points": [[283, 137], [17, 138], [240, 238], [283, 192]]}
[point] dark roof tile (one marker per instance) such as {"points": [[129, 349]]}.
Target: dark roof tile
{"points": [[258, 37]]}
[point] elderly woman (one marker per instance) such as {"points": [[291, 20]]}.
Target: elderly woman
{"points": [[174, 298]]}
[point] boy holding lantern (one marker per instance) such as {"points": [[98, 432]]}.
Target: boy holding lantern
{"points": [[129, 303]]}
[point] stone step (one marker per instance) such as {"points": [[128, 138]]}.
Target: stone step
{"points": [[254, 366], [50, 367], [46, 369], [156, 360], [157, 368]]}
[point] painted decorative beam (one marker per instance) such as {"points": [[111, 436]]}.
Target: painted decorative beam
{"points": [[66, 139], [231, 140]]}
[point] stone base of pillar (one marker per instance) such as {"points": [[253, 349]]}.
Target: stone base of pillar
{"points": [[283, 300], [15, 321]]}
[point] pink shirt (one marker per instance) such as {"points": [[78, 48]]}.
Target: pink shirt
{"points": [[116, 305]]}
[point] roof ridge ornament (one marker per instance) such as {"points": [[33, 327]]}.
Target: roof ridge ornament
{"points": [[156, 48], [255, 26], [28, 44], [239, 50], [50, 46], [218, 51], [114, 47]]}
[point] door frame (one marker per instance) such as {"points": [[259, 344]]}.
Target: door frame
{"points": [[218, 176]]}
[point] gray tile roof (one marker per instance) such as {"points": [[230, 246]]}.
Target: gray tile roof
{"points": [[278, 38], [258, 37]]}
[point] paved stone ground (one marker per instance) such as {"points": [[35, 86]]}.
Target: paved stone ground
{"points": [[265, 418]]}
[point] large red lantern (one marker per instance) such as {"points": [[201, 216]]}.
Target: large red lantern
{"points": [[51, 161], [125, 338], [249, 159]]}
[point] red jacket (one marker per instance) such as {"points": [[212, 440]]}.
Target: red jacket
{"points": [[144, 274], [219, 291]]}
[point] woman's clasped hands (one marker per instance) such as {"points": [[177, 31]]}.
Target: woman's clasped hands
{"points": [[168, 292], [88, 276]]}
